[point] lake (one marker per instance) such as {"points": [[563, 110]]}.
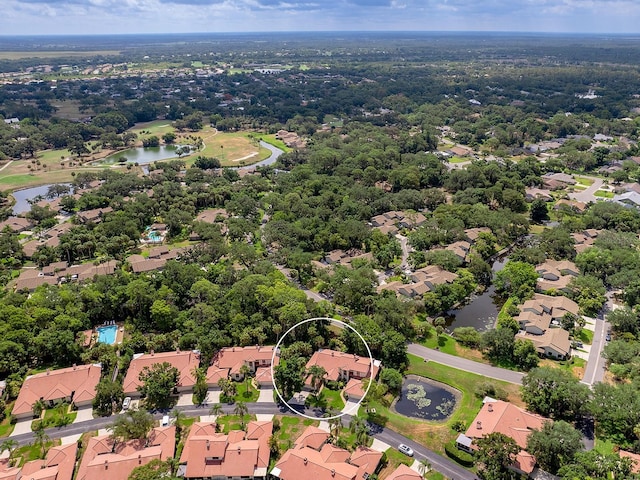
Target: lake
{"points": [[23, 196], [481, 311], [141, 155]]}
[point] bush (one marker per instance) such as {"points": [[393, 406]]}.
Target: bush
{"points": [[463, 458], [488, 389], [276, 424], [458, 426], [467, 336]]}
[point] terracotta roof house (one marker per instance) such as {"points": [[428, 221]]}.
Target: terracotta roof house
{"points": [[319, 460], [404, 473], [231, 359], [57, 465], [353, 390], [460, 151], [185, 362], [553, 343], [342, 366], [208, 454], [75, 385], [104, 458], [505, 418], [16, 224]]}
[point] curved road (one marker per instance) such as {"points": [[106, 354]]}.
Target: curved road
{"points": [[438, 463]]}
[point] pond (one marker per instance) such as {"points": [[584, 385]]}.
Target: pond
{"points": [[141, 155], [481, 311], [23, 196], [426, 399]]}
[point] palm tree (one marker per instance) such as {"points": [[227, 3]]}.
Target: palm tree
{"points": [[38, 407], [359, 427], [424, 466], [216, 409], [241, 410], [41, 439], [335, 424], [244, 371], [317, 376], [9, 445], [178, 421]]}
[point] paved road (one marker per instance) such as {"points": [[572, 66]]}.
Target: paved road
{"points": [[405, 251], [438, 463], [596, 365], [587, 195], [467, 365]]}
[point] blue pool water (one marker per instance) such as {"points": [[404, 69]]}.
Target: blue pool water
{"points": [[107, 334]]}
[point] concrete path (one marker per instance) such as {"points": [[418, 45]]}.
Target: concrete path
{"points": [[7, 164], [213, 396], [208, 418], [264, 417], [467, 365], [70, 439], [351, 408], [587, 195], [596, 364], [185, 399]]}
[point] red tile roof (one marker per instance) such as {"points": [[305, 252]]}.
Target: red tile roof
{"points": [[185, 362], [209, 454], [58, 384], [404, 473], [102, 460], [57, 465]]}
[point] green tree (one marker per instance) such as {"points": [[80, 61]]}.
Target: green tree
{"points": [[9, 445], [158, 384], [525, 354], [241, 410], [289, 376], [215, 410], [200, 388], [555, 445], [616, 409], [317, 374], [517, 279], [496, 453], [108, 397], [133, 425], [156, 469], [41, 439], [554, 393], [538, 211], [244, 371], [594, 465], [392, 378]]}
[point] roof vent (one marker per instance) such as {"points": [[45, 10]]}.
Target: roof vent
{"points": [[106, 464], [333, 472], [305, 460], [479, 425], [490, 407], [238, 448], [139, 459], [208, 444], [152, 353]]}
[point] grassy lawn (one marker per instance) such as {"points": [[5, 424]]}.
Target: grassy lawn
{"points": [[433, 475], [536, 229], [432, 434], [584, 180], [604, 194], [54, 417], [444, 343], [272, 140], [290, 429], [244, 395], [232, 149], [586, 336], [575, 365], [157, 128], [33, 452], [459, 160], [5, 426], [232, 422], [394, 459], [333, 399]]}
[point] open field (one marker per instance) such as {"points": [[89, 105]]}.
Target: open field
{"points": [[56, 54], [272, 140]]}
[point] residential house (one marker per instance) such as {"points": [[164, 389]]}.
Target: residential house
{"points": [[105, 457], [93, 216], [556, 274], [585, 239], [460, 151], [559, 177], [58, 272], [58, 464], [227, 363], [75, 385], [532, 194], [556, 306], [313, 458], [342, 366], [185, 362], [208, 454], [460, 248], [16, 224], [156, 260], [553, 343], [506, 418], [628, 199], [571, 204], [472, 234], [534, 323], [50, 238], [340, 257], [404, 473]]}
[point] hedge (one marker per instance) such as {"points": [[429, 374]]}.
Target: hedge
{"points": [[463, 458]]}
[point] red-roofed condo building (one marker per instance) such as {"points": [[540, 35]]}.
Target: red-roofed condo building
{"points": [[342, 366], [228, 361], [208, 455], [185, 362], [76, 385], [57, 465], [104, 458], [313, 458]]}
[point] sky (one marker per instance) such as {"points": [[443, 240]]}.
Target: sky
{"points": [[62, 17]]}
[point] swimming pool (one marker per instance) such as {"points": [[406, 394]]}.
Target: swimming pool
{"points": [[107, 334]]}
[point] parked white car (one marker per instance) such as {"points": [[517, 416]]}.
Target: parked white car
{"points": [[408, 451]]}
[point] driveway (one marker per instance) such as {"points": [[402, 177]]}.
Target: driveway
{"points": [[84, 414], [587, 195], [23, 426], [266, 395], [213, 396], [185, 399], [350, 408]]}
